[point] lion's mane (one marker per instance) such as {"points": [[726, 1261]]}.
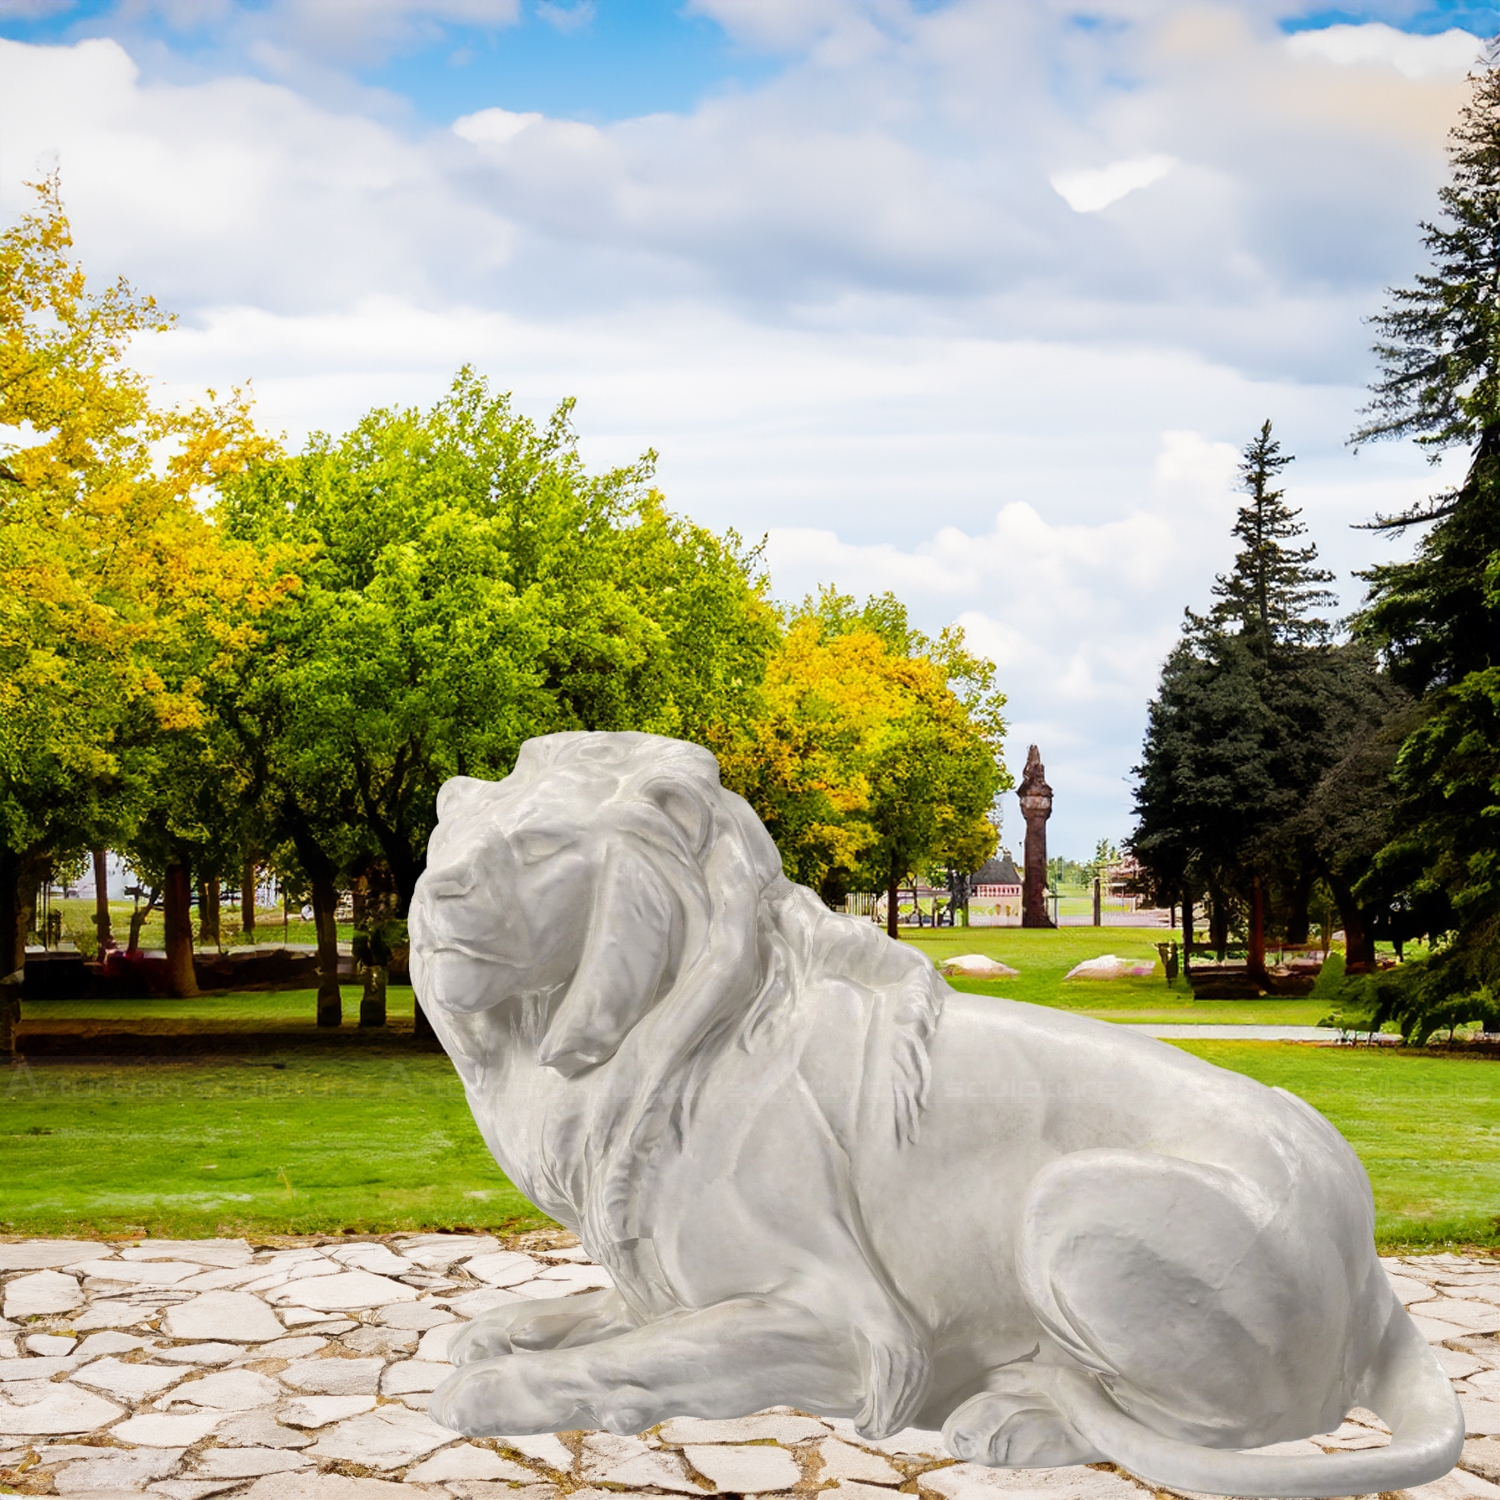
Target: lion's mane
{"points": [[768, 942]]}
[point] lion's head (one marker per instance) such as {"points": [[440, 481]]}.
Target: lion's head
{"points": [[598, 874]]}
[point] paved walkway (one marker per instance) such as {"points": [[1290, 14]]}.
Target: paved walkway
{"points": [[186, 1369]]}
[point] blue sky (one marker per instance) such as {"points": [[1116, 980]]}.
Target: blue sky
{"points": [[596, 60], [1424, 20], [613, 62], [973, 300]]}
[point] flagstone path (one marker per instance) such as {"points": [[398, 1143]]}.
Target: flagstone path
{"points": [[301, 1371]]}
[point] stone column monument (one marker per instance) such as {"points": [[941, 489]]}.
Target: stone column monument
{"points": [[1036, 808]]}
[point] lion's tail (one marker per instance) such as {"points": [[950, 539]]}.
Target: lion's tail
{"points": [[1408, 1389]]}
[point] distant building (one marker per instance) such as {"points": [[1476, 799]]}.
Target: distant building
{"points": [[997, 879], [995, 891]]}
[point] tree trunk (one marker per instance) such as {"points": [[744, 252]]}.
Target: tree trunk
{"points": [[423, 1027], [1255, 964], [325, 900], [1218, 922], [208, 912], [1187, 931], [374, 912], [892, 890], [372, 999], [101, 902], [1359, 945], [17, 909], [1298, 920], [138, 919], [320, 871], [18, 878], [177, 910], [1098, 902], [249, 878], [404, 864]]}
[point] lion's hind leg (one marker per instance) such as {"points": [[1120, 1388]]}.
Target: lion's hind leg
{"points": [[548, 1323], [1209, 1309], [1154, 1279]]}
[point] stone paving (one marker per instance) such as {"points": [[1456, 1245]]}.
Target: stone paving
{"points": [[301, 1371]]}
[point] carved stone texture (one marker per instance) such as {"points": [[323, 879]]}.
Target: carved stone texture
{"points": [[819, 1177], [1036, 807]]}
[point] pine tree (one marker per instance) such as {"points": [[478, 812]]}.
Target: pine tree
{"points": [[1436, 617], [1250, 716], [1273, 589]]}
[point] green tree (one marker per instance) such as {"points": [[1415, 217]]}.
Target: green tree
{"points": [[1247, 721], [464, 583], [1443, 861], [1269, 594], [1336, 830], [1436, 616], [1206, 785]]}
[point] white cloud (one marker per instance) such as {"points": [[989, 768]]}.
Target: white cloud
{"points": [[1447, 54], [875, 189], [566, 18], [1092, 188], [493, 127], [847, 305], [1077, 616], [793, 25]]}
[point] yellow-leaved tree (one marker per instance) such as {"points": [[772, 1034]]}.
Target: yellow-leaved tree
{"points": [[876, 751], [117, 595]]}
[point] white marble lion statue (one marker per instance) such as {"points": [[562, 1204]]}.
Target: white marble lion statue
{"points": [[820, 1177]]}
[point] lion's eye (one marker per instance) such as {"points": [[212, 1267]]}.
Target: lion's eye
{"points": [[533, 844]]}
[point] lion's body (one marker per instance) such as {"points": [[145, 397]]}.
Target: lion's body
{"points": [[777, 1128]]}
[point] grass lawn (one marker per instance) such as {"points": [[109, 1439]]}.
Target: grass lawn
{"points": [[370, 1131], [272, 924], [373, 1139], [283, 1009], [1427, 1129], [1043, 956]]}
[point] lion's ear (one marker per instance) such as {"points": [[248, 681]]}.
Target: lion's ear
{"points": [[685, 807], [634, 937], [458, 793]]}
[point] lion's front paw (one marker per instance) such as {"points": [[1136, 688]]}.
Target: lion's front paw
{"points": [[487, 1337], [552, 1323], [503, 1396]]}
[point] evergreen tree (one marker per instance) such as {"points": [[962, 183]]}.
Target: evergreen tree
{"points": [[1436, 616], [1207, 786], [1251, 715], [1273, 589]]}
